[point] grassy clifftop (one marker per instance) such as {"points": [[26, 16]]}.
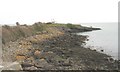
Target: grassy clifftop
{"points": [[12, 33]]}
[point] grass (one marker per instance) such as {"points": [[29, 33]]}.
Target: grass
{"points": [[55, 25], [11, 33], [65, 25]]}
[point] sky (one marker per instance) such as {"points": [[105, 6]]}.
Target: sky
{"points": [[61, 11]]}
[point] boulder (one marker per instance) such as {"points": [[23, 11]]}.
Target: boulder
{"points": [[20, 57], [30, 68], [37, 52], [41, 63], [11, 66]]}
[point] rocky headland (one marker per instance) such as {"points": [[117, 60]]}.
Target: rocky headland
{"points": [[52, 46]]}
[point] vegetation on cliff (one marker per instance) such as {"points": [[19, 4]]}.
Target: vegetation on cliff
{"points": [[12, 33]]}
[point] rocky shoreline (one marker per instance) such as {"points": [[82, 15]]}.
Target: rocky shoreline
{"points": [[57, 49]]}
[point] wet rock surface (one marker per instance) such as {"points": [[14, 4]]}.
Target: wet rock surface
{"points": [[56, 50]]}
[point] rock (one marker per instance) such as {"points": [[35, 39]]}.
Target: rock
{"points": [[17, 23], [30, 68], [87, 39], [94, 49], [37, 52], [20, 43], [12, 66], [111, 60], [67, 62], [49, 52], [56, 49], [20, 58], [25, 64], [1, 68], [41, 63], [30, 60], [102, 50]]}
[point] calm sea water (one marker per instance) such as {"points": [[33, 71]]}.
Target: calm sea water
{"points": [[106, 39]]}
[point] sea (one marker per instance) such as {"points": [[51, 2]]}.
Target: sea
{"points": [[105, 39]]}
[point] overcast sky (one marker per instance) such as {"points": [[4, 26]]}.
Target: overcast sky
{"points": [[64, 11]]}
